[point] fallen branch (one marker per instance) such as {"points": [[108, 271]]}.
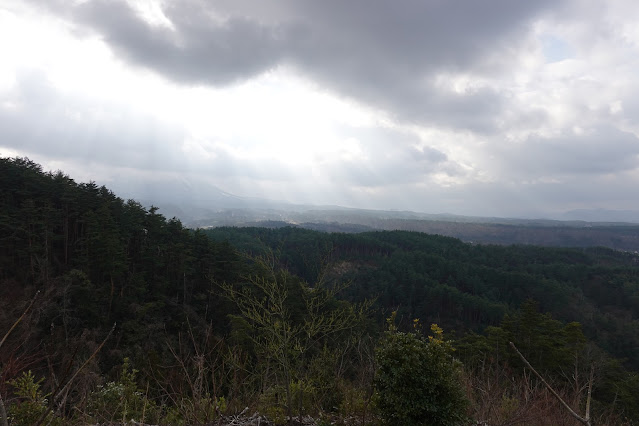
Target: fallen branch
{"points": [[4, 421], [63, 389], [15, 324], [584, 420]]}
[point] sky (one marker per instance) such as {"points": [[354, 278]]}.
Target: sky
{"points": [[475, 107]]}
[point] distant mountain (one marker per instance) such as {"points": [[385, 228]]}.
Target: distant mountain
{"points": [[202, 205], [602, 215], [503, 231], [179, 192]]}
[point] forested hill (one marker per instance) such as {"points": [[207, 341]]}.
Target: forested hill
{"points": [[463, 286], [482, 230], [135, 316], [116, 257]]}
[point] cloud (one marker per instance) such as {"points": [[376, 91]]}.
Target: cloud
{"points": [[373, 157], [473, 107], [197, 49], [595, 151], [388, 55], [71, 127], [124, 143]]}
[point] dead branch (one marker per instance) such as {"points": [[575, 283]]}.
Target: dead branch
{"points": [[584, 420], [15, 324], [3, 412], [55, 397]]}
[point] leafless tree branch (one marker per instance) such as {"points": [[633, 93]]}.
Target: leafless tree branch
{"points": [[584, 420]]}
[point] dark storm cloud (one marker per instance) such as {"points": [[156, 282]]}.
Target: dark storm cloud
{"points": [[199, 50], [388, 53], [381, 53]]}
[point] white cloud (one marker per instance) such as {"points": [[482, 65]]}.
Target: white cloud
{"points": [[429, 106]]}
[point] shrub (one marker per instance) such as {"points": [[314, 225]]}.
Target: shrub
{"points": [[418, 382], [121, 400], [31, 404]]}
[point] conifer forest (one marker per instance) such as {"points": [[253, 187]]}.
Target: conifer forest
{"points": [[111, 313]]}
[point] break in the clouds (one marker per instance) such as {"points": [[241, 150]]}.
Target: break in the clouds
{"points": [[494, 107]]}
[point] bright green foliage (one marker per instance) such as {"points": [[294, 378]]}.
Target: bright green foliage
{"points": [[31, 404], [418, 380]]}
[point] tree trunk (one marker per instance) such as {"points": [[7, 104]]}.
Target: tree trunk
{"points": [[3, 414]]}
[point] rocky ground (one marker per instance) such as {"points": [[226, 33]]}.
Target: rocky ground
{"points": [[244, 419]]}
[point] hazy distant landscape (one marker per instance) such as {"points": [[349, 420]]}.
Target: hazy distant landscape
{"points": [[484, 230], [207, 206]]}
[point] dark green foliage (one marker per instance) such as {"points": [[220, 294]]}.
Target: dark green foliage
{"points": [[98, 260], [547, 343], [89, 245], [463, 286], [418, 381]]}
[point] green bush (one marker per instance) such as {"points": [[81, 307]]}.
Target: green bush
{"points": [[418, 380], [31, 403]]}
